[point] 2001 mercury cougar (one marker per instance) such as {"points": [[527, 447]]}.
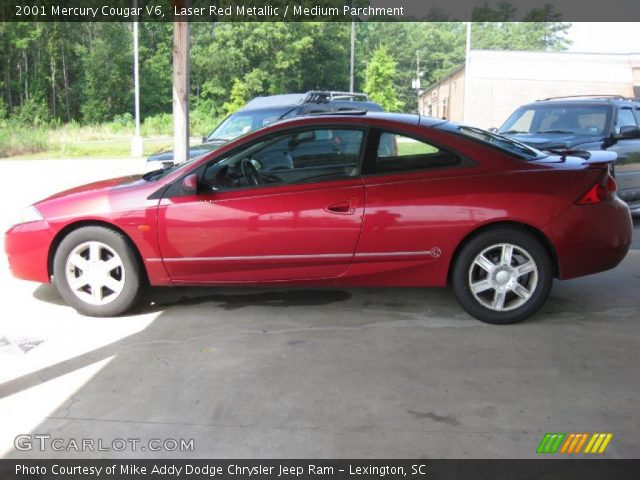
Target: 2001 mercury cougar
{"points": [[358, 199]]}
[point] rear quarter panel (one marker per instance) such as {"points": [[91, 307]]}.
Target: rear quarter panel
{"points": [[418, 211]]}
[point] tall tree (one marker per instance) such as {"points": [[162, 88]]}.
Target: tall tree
{"points": [[83, 71], [106, 60], [379, 80], [495, 29], [268, 58], [155, 68]]}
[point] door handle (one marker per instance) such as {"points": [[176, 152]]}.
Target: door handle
{"points": [[345, 207]]}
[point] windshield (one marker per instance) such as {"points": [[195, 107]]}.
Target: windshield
{"points": [[511, 146], [558, 119], [243, 122]]}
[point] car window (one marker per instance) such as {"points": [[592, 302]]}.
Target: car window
{"points": [[558, 119], [573, 120], [501, 142], [549, 120], [297, 157], [398, 153], [234, 126], [243, 122], [522, 124], [624, 118]]}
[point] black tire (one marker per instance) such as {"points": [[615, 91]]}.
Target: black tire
{"points": [[127, 276], [537, 284]]}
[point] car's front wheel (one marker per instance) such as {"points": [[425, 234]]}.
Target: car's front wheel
{"points": [[96, 272], [502, 276]]}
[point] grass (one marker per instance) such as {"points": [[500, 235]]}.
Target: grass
{"points": [[407, 147], [107, 140], [21, 140], [99, 149]]}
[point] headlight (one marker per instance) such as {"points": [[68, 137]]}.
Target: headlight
{"points": [[29, 214]]}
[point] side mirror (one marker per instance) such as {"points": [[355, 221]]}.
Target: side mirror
{"points": [[190, 184], [628, 132], [204, 139], [493, 130]]}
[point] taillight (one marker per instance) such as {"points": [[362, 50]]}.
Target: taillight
{"points": [[600, 192]]}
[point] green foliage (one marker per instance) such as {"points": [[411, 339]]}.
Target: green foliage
{"points": [[106, 63], [495, 29], [519, 36], [3, 113], [20, 140], [58, 73], [239, 96], [378, 80], [122, 123], [200, 123], [33, 112], [439, 48], [155, 68], [266, 59], [160, 124]]}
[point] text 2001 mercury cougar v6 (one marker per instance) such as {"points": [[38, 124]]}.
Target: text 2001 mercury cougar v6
{"points": [[359, 199]]}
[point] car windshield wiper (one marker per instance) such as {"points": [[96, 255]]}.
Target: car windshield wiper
{"points": [[216, 139], [555, 131], [156, 174]]}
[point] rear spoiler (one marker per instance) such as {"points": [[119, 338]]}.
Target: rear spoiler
{"points": [[599, 156], [590, 157]]}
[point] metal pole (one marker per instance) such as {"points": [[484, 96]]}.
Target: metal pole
{"points": [[353, 56], [137, 144], [418, 80], [136, 76]]}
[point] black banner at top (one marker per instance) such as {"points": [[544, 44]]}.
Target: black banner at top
{"points": [[318, 10]]}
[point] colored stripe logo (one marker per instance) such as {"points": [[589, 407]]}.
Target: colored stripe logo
{"points": [[598, 443], [573, 443], [550, 442]]}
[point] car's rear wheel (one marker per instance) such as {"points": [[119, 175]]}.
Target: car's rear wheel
{"points": [[502, 276], [96, 272]]}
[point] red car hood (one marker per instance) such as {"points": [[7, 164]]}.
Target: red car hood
{"points": [[102, 185]]}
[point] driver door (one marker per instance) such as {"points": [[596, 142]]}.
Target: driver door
{"points": [[301, 221]]}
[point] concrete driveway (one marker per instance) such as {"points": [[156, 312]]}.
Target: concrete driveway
{"points": [[248, 373]]}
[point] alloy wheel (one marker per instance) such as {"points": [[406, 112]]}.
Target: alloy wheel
{"points": [[503, 277], [95, 273]]}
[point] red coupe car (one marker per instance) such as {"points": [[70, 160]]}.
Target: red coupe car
{"points": [[358, 199]]}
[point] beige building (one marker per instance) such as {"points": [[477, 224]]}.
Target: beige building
{"points": [[497, 82]]}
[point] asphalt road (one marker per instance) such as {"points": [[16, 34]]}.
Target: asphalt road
{"points": [[251, 373]]}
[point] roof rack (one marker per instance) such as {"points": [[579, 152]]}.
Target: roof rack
{"points": [[321, 96], [603, 97]]}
